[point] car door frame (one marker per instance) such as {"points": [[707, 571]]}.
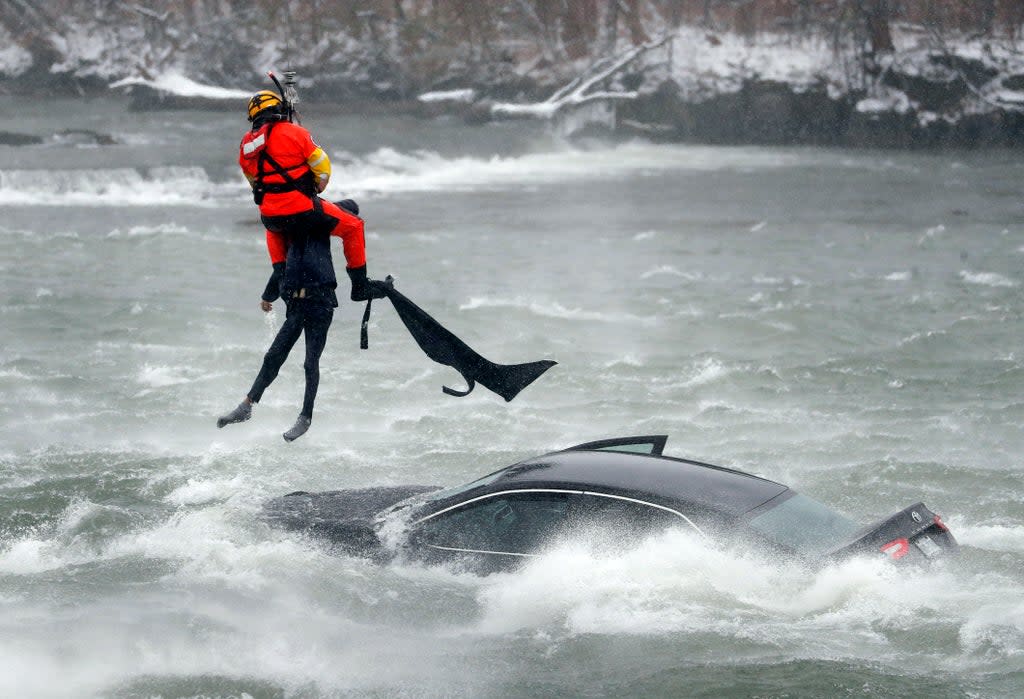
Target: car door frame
{"points": [[564, 491]]}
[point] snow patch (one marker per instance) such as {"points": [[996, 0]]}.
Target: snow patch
{"points": [[886, 99], [14, 60], [466, 95], [175, 83]]}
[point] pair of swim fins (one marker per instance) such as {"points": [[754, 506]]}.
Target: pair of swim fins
{"points": [[441, 345]]}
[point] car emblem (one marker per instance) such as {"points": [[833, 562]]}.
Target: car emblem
{"points": [[914, 516]]}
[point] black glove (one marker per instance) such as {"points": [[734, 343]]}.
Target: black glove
{"points": [[273, 290], [378, 289], [364, 289]]}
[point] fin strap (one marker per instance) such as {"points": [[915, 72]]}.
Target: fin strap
{"points": [[460, 394]]}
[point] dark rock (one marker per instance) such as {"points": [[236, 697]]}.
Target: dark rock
{"points": [[663, 106], [880, 130], [933, 94], [86, 136], [1014, 82], [974, 71], [11, 138], [761, 112]]}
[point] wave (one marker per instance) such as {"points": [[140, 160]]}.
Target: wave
{"points": [[670, 271], [681, 583], [385, 170], [158, 186], [990, 537], [158, 231], [389, 170], [163, 376], [898, 277], [554, 309], [705, 372]]}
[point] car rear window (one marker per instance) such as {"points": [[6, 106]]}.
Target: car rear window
{"points": [[804, 525]]}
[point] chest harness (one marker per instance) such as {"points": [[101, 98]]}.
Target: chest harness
{"points": [[304, 183]]}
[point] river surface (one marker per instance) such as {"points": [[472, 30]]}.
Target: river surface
{"points": [[846, 322]]}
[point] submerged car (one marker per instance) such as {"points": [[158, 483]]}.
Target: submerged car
{"points": [[615, 490]]}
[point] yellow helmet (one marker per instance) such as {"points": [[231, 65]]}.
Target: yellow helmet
{"points": [[264, 99]]}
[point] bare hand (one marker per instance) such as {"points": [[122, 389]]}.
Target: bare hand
{"points": [[267, 306]]}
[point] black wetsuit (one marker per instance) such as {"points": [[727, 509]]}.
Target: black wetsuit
{"points": [[313, 317], [307, 283]]}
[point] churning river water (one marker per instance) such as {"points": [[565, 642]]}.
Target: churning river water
{"points": [[846, 322]]}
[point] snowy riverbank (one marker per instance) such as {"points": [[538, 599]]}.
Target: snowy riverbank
{"points": [[693, 84]]}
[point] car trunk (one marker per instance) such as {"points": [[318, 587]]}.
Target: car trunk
{"points": [[913, 533]]}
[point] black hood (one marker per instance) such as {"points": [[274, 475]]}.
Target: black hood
{"points": [[343, 517]]}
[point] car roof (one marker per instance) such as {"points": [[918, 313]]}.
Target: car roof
{"points": [[660, 478]]}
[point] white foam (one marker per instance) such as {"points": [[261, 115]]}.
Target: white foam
{"points": [[670, 271], [706, 371], [1008, 538], [162, 376], [931, 233], [389, 170], [629, 360], [160, 230], [29, 556], [674, 582], [187, 186], [898, 277], [996, 630], [987, 279], [38, 554], [679, 584], [198, 491], [553, 309]]}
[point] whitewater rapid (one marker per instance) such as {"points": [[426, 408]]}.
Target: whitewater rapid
{"points": [[845, 323]]}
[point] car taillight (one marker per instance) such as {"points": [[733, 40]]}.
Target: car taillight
{"points": [[940, 524], [896, 549]]}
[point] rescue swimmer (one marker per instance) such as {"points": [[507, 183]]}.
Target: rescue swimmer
{"points": [[287, 171]]}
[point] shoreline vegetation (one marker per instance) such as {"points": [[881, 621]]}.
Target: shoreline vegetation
{"points": [[863, 73]]}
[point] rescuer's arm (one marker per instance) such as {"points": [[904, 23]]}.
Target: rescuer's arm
{"points": [[272, 292], [320, 164]]}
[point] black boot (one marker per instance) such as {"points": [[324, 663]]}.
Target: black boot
{"points": [[240, 414], [298, 429]]}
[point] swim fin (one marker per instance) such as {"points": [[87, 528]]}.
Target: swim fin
{"points": [[441, 345]]}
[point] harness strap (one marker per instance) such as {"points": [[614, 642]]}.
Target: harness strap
{"points": [[290, 183], [364, 334]]}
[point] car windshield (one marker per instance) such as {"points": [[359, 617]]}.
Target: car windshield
{"points": [[455, 490], [804, 525]]}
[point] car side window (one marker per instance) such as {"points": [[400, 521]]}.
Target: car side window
{"points": [[511, 523], [621, 520]]}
